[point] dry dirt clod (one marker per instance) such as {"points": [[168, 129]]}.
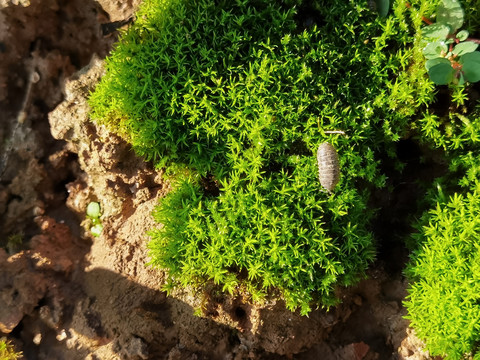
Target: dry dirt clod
{"points": [[412, 348], [20, 290]]}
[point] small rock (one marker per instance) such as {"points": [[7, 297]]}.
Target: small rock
{"points": [[37, 339], [354, 351], [361, 349], [62, 335], [9, 318], [136, 349], [357, 300]]}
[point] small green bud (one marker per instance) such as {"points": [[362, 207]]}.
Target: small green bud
{"points": [[96, 230], [93, 209], [462, 35]]}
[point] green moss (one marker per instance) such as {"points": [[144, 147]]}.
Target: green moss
{"points": [[444, 301], [7, 351], [234, 97]]}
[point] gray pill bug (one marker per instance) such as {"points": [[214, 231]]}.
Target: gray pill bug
{"points": [[328, 166]]}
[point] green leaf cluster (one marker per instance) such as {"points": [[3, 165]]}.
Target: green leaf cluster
{"points": [[234, 97], [454, 131], [450, 54]]}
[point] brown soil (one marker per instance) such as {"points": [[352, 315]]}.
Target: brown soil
{"points": [[66, 295]]}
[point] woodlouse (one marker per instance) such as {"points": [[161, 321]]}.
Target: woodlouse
{"points": [[328, 166]]}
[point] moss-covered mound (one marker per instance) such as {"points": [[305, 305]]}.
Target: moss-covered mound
{"points": [[234, 98]]}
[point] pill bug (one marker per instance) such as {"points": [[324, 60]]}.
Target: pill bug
{"points": [[328, 166]]}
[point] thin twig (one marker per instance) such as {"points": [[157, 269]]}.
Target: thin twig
{"points": [[334, 132]]}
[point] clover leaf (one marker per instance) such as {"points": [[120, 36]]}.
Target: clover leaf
{"points": [[462, 35], [435, 32], [464, 48], [440, 70], [450, 13], [471, 66], [435, 49], [451, 56], [382, 7]]}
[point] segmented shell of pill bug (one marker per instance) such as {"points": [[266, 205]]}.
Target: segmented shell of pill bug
{"points": [[328, 166]]}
